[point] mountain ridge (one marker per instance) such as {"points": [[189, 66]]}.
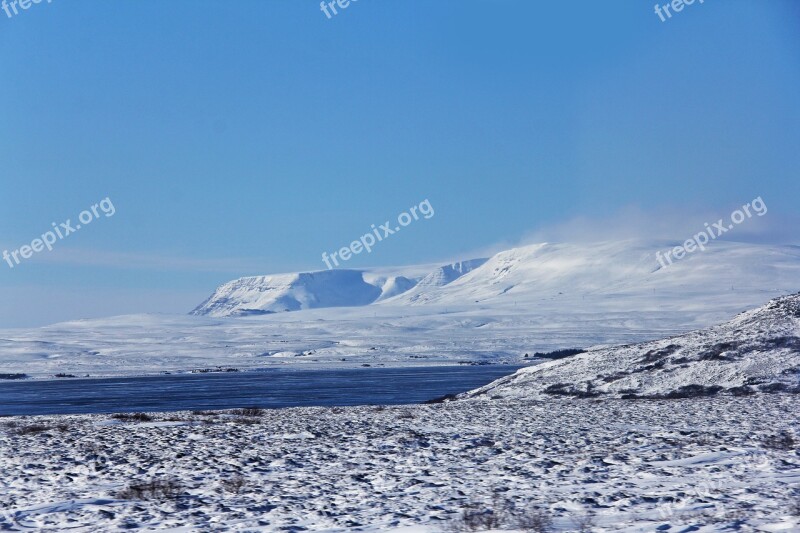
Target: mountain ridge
{"points": [[528, 274]]}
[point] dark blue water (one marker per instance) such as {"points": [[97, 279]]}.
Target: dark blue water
{"points": [[270, 388]]}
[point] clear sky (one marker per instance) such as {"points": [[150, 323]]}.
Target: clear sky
{"points": [[248, 137]]}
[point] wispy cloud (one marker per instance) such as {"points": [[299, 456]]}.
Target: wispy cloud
{"points": [[144, 261], [664, 224], [670, 224]]}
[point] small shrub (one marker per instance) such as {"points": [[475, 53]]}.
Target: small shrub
{"points": [[133, 417], [234, 484], [785, 342], [655, 356], [244, 420], [442, 399], [774, 387], [32, 429], [559, 354], [157, 489], [534, 520], [584, 523], [568, 389], [505, 515], [794, 507], [476, 517], [216, 370], [715, 352], [743, 390], [693, 391], [783, 441], [613, 377], [248, 411]]}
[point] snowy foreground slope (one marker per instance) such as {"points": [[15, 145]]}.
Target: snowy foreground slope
{"points": [[713, 464], [509, 457], [532, 299], [759, 350]]}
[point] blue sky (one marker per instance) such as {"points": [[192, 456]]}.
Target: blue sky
{"points": [[249, 137]]}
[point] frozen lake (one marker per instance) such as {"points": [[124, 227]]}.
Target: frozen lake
{"points": [[269, 388]]}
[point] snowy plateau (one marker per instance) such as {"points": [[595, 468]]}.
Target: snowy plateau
{"points": [[530, 299]]}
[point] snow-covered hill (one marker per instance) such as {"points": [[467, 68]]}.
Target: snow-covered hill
{"points": [[620, 269], [759, 350], [440, 277], [290, 292], [260, 295], [573, 273]]}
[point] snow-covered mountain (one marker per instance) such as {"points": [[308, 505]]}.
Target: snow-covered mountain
{"points": [[290, 292], [757, 351], [260, 295], [440, 277], [529, 275], [619, 270]]}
